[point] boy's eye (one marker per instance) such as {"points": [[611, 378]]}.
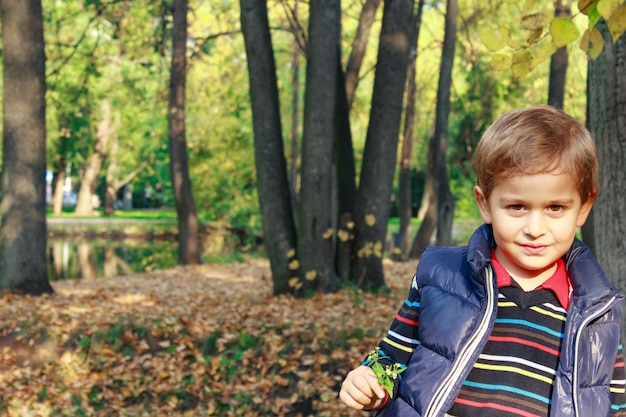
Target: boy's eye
{"points": [[516, 207], [555, 208]]}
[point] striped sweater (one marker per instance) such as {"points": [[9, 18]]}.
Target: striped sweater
{"points": [[514, 374]]}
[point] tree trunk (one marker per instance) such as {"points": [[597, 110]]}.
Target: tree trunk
{"points": [[437, 167], [606, 116], [23, 232], [188, 235], [404, 178], [89, 179], [58, 184], [559, 61], [315, 237], [381, 145], [272, 182], [295, 116], [359, 46]]}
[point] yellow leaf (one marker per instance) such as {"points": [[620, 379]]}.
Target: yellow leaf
{"points": [[541, 51], [370, 219], [592, 43], [534, 35], [293, 282], [607, 7], [293, 265], [310, 275], [521, 65], [328, 233], [563, 31], [343, 235], [298, 286], [529, 5], [350, 225], [534, 21], [500, 62], [495, 39], [617, 22], [291, 253], [378, 249]]}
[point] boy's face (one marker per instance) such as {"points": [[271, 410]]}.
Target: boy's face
{"points": [[534, 220]]}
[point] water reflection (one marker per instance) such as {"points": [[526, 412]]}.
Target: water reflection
{"points": [[90, 259]]}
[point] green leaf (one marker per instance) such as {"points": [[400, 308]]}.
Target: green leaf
{"points": [[594, 14], [563, 31], [592, 43], [542, 51], [617, 22]]}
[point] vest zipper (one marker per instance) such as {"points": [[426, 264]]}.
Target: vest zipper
{"points": [[440, 397], [584, 324]]}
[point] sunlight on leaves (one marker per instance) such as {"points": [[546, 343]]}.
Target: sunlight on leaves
{"points": [[592, 43], [310, 275], [495, 39], [521, 65], [343, 235], [293, 282], [291, 253], [563, 31], [293, 265], [328, 233], [370, 220], [607, 7], [500, 62], [617, 22]]}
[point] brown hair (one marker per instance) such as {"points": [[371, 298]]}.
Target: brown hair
{"points": [[534, 140]]}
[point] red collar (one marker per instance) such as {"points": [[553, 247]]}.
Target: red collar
{"points": [[558, 283]]}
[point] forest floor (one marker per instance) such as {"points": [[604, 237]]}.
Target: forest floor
{"points": [[208, 340]]}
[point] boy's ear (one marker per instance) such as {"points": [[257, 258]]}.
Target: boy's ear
{"points": [[585, 209], [483, 205]]}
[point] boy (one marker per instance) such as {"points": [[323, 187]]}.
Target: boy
{"points": [[522, 321]]}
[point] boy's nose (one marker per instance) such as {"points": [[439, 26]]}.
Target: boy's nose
{"points": [[534, 225]]}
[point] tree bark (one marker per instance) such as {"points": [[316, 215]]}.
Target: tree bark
{"points": [[559, 61], [93, 165], [437, 167], [606, 116], [405, 208], [188, 235], [315, 237], [272, 182], [23, 231], [381, 145], [359, 46]]}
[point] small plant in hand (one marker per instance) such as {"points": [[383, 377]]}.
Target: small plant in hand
{"points": [[386, 374]]}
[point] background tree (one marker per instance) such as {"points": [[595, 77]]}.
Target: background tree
{"points": [[273, 186], [23, 233], [373, 201], [605, 229], [558, 61], [188, 233], [440, 213]]}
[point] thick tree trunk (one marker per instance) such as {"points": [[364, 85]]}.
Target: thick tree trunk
{"points": [[23, 232], [274, 200], [405, 208], [379, 158], [188, 235], [315, 231], [606, 116], [89, 179], [359, 46], [294, 178], [559, 61]]}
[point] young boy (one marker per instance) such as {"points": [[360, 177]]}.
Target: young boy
{"points": [[522, 321]]}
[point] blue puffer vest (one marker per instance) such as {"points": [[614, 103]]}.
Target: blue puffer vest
{"points": [[458, 309]]}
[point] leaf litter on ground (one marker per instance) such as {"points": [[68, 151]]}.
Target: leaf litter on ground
{"points": [[208, 340]]}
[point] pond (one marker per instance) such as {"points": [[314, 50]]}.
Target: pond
{"points": [[74, 254]]}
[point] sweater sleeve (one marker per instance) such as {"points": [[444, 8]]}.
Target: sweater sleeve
{"points": [[618, 386], [402, 337]]}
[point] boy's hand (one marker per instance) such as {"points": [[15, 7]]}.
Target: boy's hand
{"points": [[361, 390]]}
